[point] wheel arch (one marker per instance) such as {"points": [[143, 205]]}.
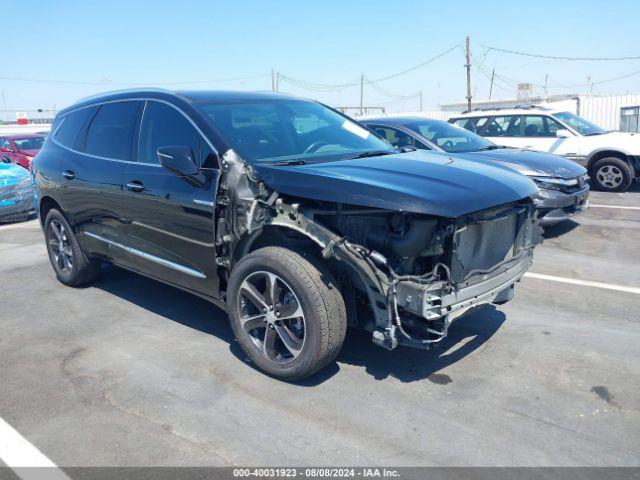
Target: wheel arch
{"points": [[306, 245], [45, 205], [600, 154]]}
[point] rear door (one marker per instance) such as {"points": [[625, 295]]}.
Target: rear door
{"points": [[98, 142], [170, 220]]}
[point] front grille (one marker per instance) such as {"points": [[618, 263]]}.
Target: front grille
{"points": [[582, 182]]}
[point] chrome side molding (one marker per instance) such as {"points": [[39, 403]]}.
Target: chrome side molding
{"points": [[148, 256]]}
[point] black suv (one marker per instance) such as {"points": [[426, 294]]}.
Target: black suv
{"points": [[284, 212]]}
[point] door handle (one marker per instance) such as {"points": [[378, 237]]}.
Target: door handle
{"points": [[135, 186], [68, 174]]}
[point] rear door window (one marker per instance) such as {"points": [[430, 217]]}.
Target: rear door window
{"points": [[68, 132], [110, 134], [504, 126], [164, 126]]}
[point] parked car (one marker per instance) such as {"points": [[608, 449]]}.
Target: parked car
{"points": [[21, 149], [612, 158], [17, 192], [564, 187], [286, 213]]}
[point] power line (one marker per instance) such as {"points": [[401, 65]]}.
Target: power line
{"points": [[324, 87], [557, 57]]}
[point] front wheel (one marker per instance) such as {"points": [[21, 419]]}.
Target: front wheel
{"points": [[286, 312], [67, 258], [612, 175]]}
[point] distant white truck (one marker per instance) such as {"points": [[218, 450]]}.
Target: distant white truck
{"points": [[612, 158]]}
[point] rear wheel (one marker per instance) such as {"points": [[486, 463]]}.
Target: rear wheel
{"points": [[611, 174], [286, 312], [67, 258]]}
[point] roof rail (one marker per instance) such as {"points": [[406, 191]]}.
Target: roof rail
{"points": [[524, 106]]}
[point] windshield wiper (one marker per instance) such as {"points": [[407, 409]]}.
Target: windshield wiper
{"points": [[591, 134], [490, 147], [289, 162], [371, 153]]}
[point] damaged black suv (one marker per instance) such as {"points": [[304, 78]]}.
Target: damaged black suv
{"points": [[287, 214]]}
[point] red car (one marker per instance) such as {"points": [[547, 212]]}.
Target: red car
{"points": [[21, 148]]}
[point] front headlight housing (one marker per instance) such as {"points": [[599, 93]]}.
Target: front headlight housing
{"points": [[551, 183]]}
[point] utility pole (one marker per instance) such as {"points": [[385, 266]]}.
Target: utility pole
{"points": [[277, 81], [493, 73], [420, 102], [546, 84], [362, 94], [273, 80], [468, 65]]}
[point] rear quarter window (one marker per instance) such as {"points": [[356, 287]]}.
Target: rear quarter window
{"points": [[70, 126]]}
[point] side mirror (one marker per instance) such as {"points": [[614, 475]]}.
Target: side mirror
{"points": [[6, 159], [562, 133], [178, 160]]}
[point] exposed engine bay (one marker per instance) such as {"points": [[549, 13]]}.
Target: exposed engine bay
{"points": [[404, 276]]}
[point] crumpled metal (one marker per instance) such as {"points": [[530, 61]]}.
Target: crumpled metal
{"points": [[18, 197]]}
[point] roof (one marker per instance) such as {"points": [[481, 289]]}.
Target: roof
{"points": [[397, 120], [506, 111], [184, 96], [16, 136]]}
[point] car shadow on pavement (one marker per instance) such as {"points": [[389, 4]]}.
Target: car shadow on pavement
{"points": [[559, 229], [466, 335]]}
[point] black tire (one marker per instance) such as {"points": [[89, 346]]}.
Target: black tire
{"points": [[72, 268], [324, 315], [611, 174]]}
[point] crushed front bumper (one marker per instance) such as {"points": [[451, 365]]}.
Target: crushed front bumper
{"points": [[437, 300]]}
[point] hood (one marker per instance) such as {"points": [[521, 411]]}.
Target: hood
{"points": [[527, 162], [419, 182], [31, 153], [11, 174]]}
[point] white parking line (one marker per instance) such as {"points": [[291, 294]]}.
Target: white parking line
{"points": [[586, 283], [591, 205], [19, 454]]}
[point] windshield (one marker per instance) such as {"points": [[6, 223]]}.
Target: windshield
{"points": [[282, 130], [31, 143], [579, 124], [450, 138]]}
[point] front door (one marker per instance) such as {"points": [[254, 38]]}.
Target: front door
{"points": [[170, 220]]}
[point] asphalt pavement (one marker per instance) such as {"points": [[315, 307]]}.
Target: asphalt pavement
{"points": [[131, 372]]}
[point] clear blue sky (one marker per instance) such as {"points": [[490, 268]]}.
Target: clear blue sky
{"points": [[117, 42]]}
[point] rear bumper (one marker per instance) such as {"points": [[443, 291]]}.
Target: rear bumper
{"points": [[556, 206]]}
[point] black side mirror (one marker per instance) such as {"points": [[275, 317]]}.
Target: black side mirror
{"points": [[179, 160], [6, 159]]}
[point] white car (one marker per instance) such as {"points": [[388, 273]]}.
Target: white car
{"points": [[612, 158]]}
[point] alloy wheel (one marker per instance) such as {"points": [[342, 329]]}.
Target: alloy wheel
{"points": [[610, 176], [60, 246], [271, 315]]}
